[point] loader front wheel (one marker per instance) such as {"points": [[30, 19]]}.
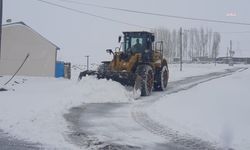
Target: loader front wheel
{"points": [[161, 80], [147, 79]]}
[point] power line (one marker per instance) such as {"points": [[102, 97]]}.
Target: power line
{"points": [[158, 14], [25, 59], [93, 15]]}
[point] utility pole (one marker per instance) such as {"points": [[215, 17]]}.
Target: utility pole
{"points": [[231, 47], [180, 49], [231, 53], [215, 60], [87, 61], [1, 16]]}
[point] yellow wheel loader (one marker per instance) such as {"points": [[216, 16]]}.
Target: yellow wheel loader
{"points": [[138, 62]]}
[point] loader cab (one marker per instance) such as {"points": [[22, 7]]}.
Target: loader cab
{"points": [[138, 42]]}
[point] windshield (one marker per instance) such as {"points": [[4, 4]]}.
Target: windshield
{"points": [[134, 44]]}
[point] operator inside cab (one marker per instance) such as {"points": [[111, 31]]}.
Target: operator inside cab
{"points": [[137, 47], [137, 42]]}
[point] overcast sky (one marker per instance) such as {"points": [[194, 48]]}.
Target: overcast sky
{"points": [[79, 34]]}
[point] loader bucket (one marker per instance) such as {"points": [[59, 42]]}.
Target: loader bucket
{"points": [[127, 79], [124, 78], [86, 73]]}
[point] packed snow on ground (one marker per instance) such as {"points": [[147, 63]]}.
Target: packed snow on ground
{"points": [[217, 111], [33, 107], [34, 110]]}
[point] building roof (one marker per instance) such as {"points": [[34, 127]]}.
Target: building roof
{"points": [[23, 24]]}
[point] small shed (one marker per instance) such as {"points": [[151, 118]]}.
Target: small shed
{"points": [[18, 41]]}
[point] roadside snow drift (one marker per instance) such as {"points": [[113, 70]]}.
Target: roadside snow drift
{"points": [[215, 111], [34, 110]]}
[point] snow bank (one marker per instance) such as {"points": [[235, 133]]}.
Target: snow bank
{"points": [[34, 110], [217, 111], [100, 91]]}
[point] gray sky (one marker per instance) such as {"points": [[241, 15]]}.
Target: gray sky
{"points": [[78, 35]]}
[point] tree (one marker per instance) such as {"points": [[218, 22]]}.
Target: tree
{"points": [[185, 44], [196, 42], [216, 44], [210, 43], [191, 43]]}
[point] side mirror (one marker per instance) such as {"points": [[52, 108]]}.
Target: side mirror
{"points": [[119, 39], [110, 51]]}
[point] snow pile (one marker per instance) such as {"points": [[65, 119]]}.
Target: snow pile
{"points": [[101, 91], [34, 110], [217, 111]]}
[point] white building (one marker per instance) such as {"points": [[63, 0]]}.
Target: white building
{"points": [[18, 40]]}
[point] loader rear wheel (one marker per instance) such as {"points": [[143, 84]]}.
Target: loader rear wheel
{"points": [[161, 80], [147, 79]]}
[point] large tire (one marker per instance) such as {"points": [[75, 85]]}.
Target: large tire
{"points": [[146, 74], [161, 80]]}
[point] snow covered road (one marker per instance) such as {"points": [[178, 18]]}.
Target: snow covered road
{"points": [[8, 142], [128, 125], [215, 111], [102, 114]]}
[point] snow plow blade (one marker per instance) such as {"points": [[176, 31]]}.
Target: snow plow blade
{"points": [[86, 73], [124, 78]]}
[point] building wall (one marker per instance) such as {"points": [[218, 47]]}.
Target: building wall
{"points": [[18, 40]]}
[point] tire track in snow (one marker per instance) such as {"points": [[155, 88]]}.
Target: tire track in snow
{"points": [[78, 118], [140, 116]]}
